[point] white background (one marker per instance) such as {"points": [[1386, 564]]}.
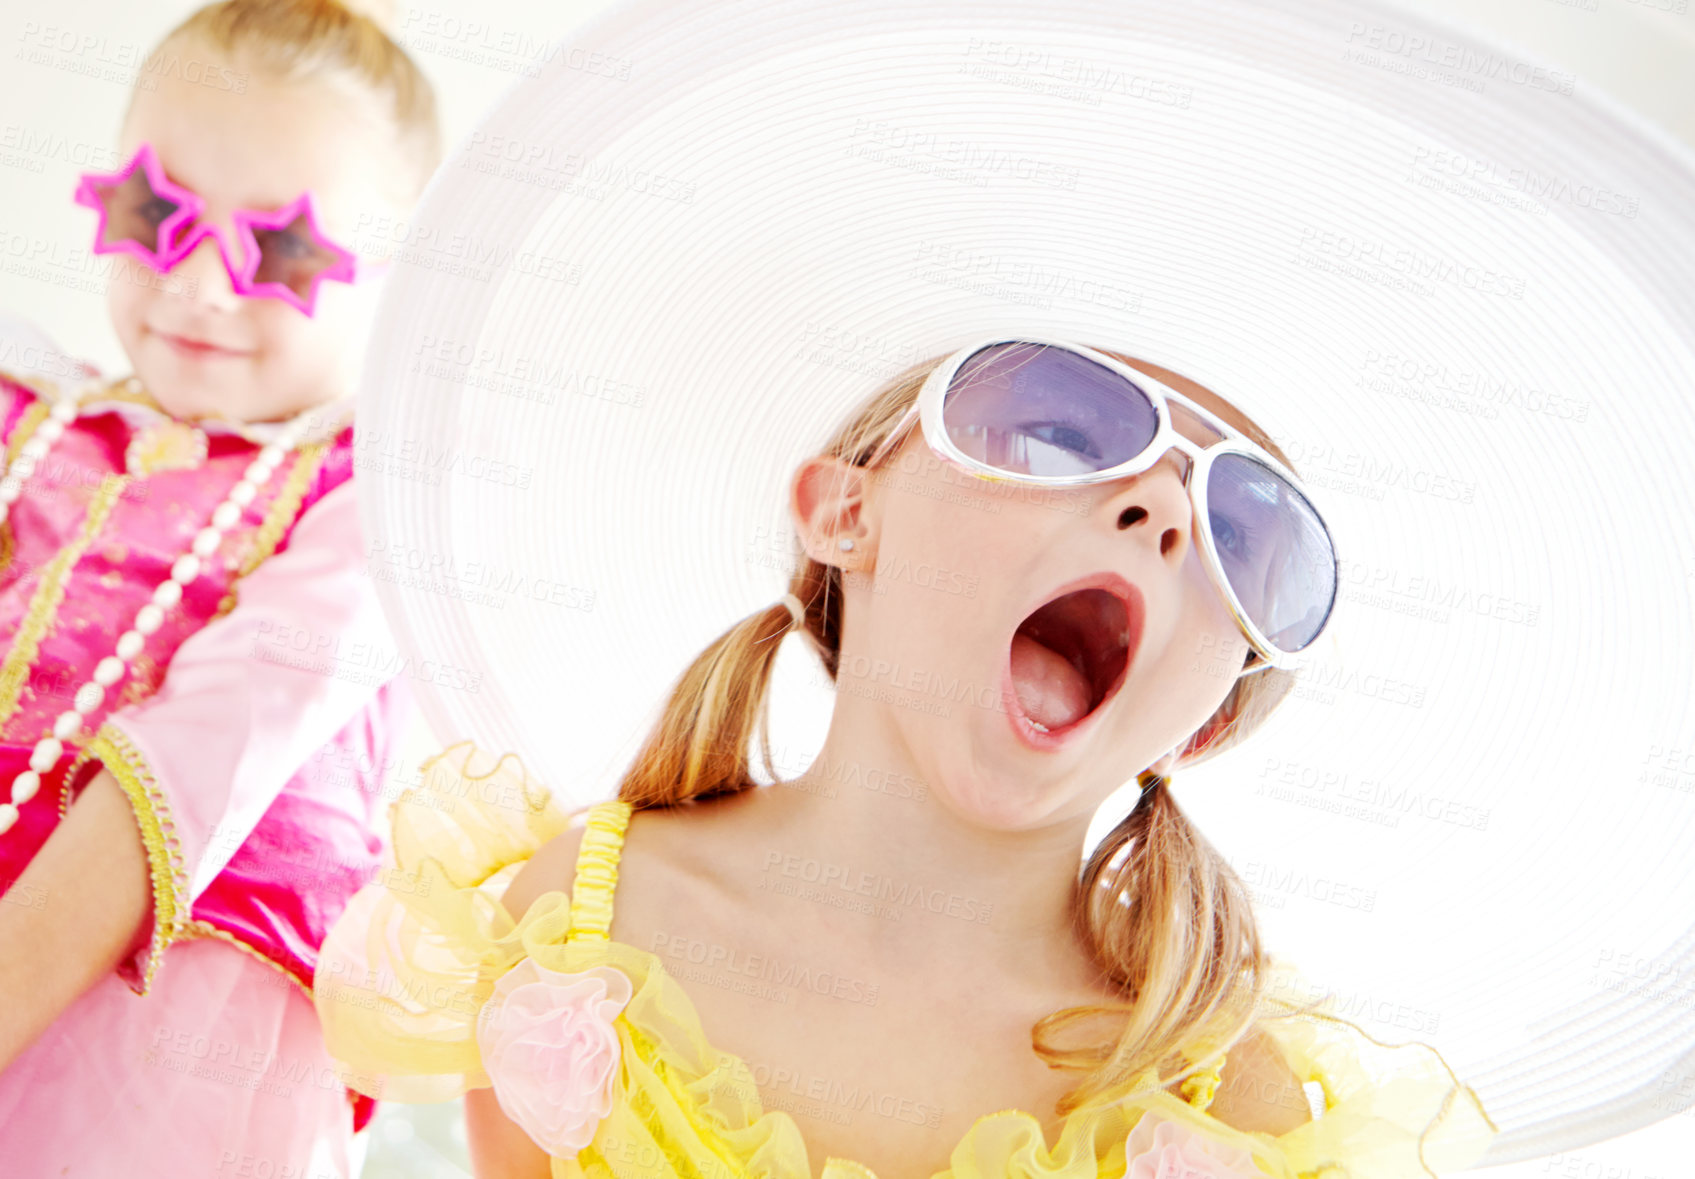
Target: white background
{"points": [[56, 116]]}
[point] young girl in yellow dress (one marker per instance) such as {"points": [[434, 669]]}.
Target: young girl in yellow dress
{"points": [[703, 975]]}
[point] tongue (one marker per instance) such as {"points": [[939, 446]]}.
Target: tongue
{"points": [[1050, 690]]}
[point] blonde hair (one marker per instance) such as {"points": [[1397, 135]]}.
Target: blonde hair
{"points": [[1168, 921], [294, 40]]}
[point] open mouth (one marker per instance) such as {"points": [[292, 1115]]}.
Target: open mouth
{"points": [[1070, 655]]}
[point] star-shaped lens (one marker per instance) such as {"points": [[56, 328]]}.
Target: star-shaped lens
{"points": [[141, 210], [288, 255]]}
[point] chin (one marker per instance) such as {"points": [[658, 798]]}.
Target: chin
{"points": [[216, 390], [184, 396]]}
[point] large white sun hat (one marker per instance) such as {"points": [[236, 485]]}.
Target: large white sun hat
{"points": [[1451, 282]]}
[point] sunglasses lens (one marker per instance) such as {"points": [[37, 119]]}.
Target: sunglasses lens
{"points": [[135, 213], [1034, 410], [1274, 549], [291, 256]]}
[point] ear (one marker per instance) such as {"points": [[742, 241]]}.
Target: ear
{"points": [[825, 499]]}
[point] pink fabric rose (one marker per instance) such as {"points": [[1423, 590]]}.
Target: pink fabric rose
{"points": [[1162, 1149], [551, 1051]]}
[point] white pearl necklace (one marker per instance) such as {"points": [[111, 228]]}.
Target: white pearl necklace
{"points": [[150, 617]]}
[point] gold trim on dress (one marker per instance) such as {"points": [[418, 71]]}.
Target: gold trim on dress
{"points": [[171, 899], [282, 512], [198, 928], [139, 682], [167, 445], [131, 392], [21, 433], [25, 429], [49, 594], [77, 763], [100, 393]]}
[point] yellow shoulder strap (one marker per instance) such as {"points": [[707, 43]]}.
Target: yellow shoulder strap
{"points": [[597, 870]]}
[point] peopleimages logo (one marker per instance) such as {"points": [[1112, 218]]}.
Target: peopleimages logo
{"points": [[733, 960], [1546, 187], [902, 894], [1408, 262], [1277, 879], [1463, 59]]}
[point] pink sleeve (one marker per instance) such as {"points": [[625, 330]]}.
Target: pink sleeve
{"points": [[248, 698]]}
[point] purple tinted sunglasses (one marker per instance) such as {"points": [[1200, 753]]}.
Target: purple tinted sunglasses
{"points": [[284, 254], [1047, 413]]}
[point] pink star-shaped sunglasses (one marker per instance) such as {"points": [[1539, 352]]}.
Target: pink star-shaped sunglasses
{"points": [[284, 254]]}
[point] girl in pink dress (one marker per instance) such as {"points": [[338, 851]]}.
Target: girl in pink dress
{"points": [[198, 693]]}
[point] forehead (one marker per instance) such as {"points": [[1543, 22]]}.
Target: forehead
{"points": [[243, 138], [1200, 395]]}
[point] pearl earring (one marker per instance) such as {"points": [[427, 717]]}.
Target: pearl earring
{"points": [[845, 544]]}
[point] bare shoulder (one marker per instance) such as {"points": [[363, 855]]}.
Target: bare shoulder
{"points": [[551, 869], [690, 844], [657, 855], [1258, 1090]]}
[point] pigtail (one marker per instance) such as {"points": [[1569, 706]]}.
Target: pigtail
{"points": [[701, 744], [717, 708], [1172, 922]]}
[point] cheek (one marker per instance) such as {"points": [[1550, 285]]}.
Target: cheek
{"points": [[127, 304], [1180, 687], [293, 343], [1211, 647], [946, 510], [959, 546]]}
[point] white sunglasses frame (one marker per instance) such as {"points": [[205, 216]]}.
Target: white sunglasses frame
{"points": [[927, 409]]}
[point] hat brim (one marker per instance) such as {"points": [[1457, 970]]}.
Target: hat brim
{"points": [[1457, 294]]}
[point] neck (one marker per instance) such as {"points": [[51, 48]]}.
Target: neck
{"points": [[902, 873]]}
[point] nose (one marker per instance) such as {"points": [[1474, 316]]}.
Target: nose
{"points": [[1155, 505], [207, 278]]}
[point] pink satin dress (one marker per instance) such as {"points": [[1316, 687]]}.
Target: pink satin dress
{"points": [[251, 737]]}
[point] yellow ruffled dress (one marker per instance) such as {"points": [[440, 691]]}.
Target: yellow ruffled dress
{"points": [[411, 963]]}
